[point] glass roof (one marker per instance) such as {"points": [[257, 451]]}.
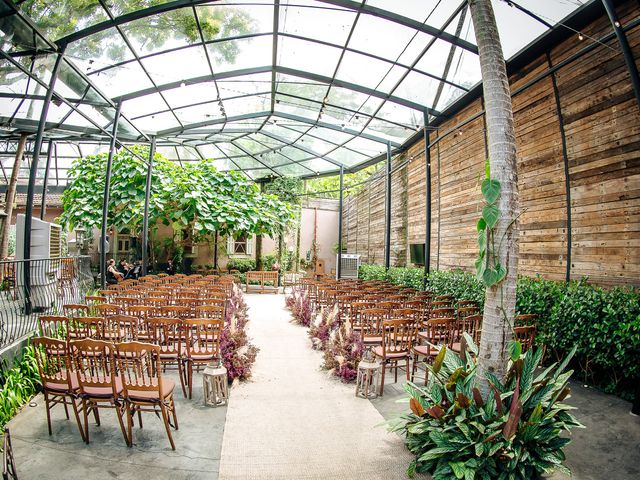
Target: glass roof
{"points": [[271, 87]]}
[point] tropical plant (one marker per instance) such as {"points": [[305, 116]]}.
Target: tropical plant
{"points": [[19, 384], [513, 433]]}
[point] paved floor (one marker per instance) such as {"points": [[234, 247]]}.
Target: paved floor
{"points": [[290, 422]]}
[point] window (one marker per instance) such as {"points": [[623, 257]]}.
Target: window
{"points": [[239, 246]]}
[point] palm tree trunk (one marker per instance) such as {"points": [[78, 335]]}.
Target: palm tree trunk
{"points": [[499, 308], [11, 197]]}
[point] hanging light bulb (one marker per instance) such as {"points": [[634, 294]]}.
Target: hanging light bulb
{"points": [[183, 84], [580, 37]]}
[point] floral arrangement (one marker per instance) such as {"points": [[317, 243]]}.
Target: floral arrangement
{"points": [[302, 310], [320, 330], [344, 352], [238, 353]]}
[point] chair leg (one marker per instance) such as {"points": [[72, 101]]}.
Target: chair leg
{"points": [[129, 413], [384, 369], [173, 411], [181, 375], [406, 363], [397, 365], [85, 411], [77, 415], [120, 410], [165, 418], [47, 409], [64, 403], [190, 378]]}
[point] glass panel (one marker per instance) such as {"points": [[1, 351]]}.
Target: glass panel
{"points": [[144, 105], [231, 20], [99, 50], [120, 80], [367, 37], [239, 106], [353, 100], [294, 153], [250, 145], [369, 72], [316, 20], [418, 88], [155, 33], [179, 65], [319, 165], [366, 147], [432, 12], [246, 84], [293, 169], [199, 113], [62, 18], [348, 157], [300, 87], [191, 93], [158, 122], [246, 53], [307, 56]]}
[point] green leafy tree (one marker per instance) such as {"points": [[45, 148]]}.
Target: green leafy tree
{"points": [[329, 187], [287, 189], [197, 198]]}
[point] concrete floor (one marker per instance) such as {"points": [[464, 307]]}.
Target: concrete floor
{"points": [[65, 456], [608, 448]]}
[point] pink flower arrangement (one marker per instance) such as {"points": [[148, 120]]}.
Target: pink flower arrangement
{"points": [[302, 309], [344, 352], [320, 331], [238, 353]]}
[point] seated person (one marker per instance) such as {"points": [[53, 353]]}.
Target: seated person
{"points": [[113, 275], [135, 271], [124, 267]]}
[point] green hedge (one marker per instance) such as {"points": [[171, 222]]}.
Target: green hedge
{"points": [[603, 323]]}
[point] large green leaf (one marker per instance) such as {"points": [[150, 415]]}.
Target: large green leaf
{"points": [[490, 190], [491, 214]]}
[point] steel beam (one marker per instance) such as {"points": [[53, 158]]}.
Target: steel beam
{"points": [[427, 181], [387, 222], [45, 182], [105, 200], [37, 146], [145, 219], [340, 220]]}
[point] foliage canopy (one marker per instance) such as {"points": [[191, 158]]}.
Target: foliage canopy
{"points": [[196, 197]]}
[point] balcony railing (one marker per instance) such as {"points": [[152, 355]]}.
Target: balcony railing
{"points": [[54, 282]]}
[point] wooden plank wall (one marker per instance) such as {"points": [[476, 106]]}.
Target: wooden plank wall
{"points": [[590, 129]]}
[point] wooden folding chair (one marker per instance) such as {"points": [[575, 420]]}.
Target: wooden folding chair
{"points": [[397, 339], [54, 326], [144, 389], [99, 384], [59, 382], [201, 340]]}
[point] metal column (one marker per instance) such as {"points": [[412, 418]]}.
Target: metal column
{"points": [[145, 218], [427, 233], [105, 200], [339, 266], [387, 223], [26, 271], [624, 46], [45, 182]]}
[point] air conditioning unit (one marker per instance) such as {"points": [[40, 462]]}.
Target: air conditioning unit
{"points": [[46, 249], [349, 266]]}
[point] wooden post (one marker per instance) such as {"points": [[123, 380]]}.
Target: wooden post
{"points": [[11, 197]]}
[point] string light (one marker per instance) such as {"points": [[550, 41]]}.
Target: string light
{"points": [[183, 84], [580, 37]]}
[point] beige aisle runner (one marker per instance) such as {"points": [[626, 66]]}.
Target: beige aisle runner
{"points": [[291, 421]]}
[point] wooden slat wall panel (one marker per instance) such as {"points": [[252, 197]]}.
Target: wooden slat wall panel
{"points": [[399, 248], [602, 133]]}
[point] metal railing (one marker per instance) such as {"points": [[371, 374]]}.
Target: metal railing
{"points": [[54, 282]]}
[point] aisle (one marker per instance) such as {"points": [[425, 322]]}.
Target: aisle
{"points": [[293, 422]]}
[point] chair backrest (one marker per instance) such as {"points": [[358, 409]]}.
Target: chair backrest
{"points": [[120, 328], [210, 311], [52, 358], [525, 335], [526, 319], [440, 331], [202, 336], [397, 335], [442, 313], [471, 324], [106, 309], [438, 304], [175, 311], [155, 301], [468, 311], [85, 327], [95, 365], [75, 310], [466, 304], [166, 333], [143, 311], [94, 299], [54, 326], [140, 369], [371, 320]]}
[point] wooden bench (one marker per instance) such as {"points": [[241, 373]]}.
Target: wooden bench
{"points": [[257, 281]]}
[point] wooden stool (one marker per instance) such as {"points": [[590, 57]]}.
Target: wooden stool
{"points": [[215, 385]]}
